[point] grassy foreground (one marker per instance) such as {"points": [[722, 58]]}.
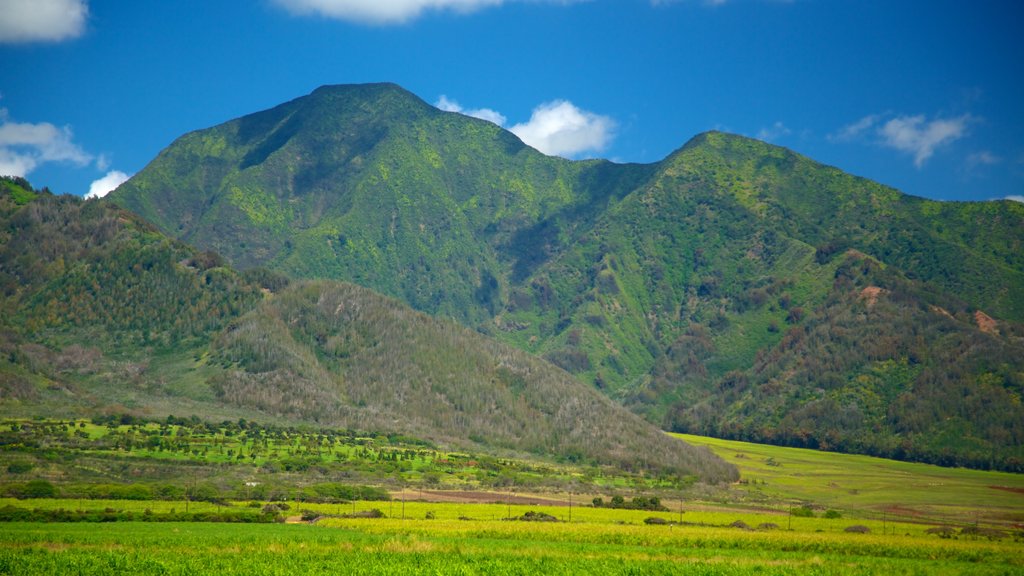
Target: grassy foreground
{"points": [[743, 529], [395, 546]]}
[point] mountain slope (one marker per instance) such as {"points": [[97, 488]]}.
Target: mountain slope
{"points": [[652, 282], [101, 312], [340, 353], [368, 184]]}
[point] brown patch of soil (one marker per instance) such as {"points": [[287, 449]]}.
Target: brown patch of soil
{"points": [[897, 510], [871, 294], [986, 323], [1008, 489]]}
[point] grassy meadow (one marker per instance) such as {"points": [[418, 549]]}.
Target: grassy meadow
{"points": [[451, 546], [751, 527], [873, 488]]}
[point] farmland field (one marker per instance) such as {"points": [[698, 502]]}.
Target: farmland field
{"points": [[909, 519], [481, 547]]}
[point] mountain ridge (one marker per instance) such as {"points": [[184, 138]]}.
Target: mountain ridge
{"points": [[621, 274]]}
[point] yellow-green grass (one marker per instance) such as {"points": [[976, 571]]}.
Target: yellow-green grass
{"points": [[471, 514], [394, 546], [872, 487], [137, 506]]}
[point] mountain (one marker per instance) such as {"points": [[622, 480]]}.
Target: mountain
{"points": [[659, 284], [371, 185], [102, 312]]}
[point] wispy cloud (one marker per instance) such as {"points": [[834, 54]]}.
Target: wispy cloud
{"points": [[919, 137], [24, 146], [105, 185], [915, 135], [389, 11], [773, 132], [1016, 198], [855, 130], [41, 20], [559, 128], [444, 103], [982, 158]]}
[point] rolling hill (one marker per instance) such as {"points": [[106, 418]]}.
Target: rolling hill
{"points": [[102, 312], [690, 289]]}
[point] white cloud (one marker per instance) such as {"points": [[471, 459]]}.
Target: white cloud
{"points": [[24, 146], [915, 135], [42, 20], [773, 132], [982, 158], [1016, 198], [482, 113], [559, 128], [855, 130], [107, 184], [381, 11]]}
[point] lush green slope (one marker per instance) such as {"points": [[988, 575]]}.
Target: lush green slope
{"points": [[656, 283], [101, 309], [91, 267], [367, 184], [880, 369]]}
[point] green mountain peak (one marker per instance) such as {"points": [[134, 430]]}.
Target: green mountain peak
{"points": [[665, 285]]}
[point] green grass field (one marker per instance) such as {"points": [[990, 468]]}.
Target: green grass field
{"points": [[445, 546], [897, 503], [874, 488]]}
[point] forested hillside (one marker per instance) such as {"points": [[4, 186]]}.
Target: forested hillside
{"points": [[659, 284], [102, 312]]}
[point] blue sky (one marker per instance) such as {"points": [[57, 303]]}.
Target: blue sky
{"points": [[927, 97]]}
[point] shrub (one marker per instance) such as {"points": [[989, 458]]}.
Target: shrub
{"points": [[832, 514], [374, 513], [19, 467], [802, 512], [942, 531], [532, 516]]}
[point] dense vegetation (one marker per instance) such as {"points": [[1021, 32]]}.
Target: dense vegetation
{"points": [[714, 291], [69, 264], [124, 458], [102, 313]]}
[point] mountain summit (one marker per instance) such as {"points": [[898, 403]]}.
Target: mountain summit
{"points": [[734, 288]]}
